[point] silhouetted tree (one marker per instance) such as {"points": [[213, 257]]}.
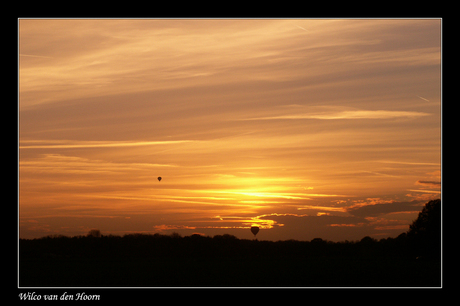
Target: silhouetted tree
{"points": [[425, 232], [318, 241], [94, 233]]}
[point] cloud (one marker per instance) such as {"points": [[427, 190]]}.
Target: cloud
{"points": [[407, 163], [57, 163], [164, 227], [429, 183], [348, 114], [424, 191], [370, 114], [321, 208], [96, 144], [373, 210], [37, 56]]}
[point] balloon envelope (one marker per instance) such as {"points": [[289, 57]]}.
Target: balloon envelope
{"points": [[159, 178], [255, 230]]}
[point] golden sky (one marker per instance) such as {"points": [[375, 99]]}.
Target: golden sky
{"points": [[306, 127]]}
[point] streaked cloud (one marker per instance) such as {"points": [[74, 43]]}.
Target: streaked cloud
{"points": [[308, 128], [63, 144], [409, 163], [373, 210], [347, 114], [425, 191], [39, 56]]}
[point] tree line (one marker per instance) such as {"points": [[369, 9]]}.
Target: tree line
{"points": [[422, 241]]}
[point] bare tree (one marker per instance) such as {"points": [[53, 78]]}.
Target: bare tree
{"points": [[94, 233]]}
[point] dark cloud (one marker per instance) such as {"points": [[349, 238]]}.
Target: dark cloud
{"points": [[429, 183], [386, 208]]}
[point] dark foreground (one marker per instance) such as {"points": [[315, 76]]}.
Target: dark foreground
{"points": [[222, 261]]}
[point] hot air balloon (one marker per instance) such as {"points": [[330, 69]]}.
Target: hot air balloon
{"points": [[254, 230], [159, 178]]}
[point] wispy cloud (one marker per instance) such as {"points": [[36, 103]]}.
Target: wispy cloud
{"points": [[164, 227], [94, 144], [30, 55], [408, 163], [347, 114], [425, 191], [322, 208]]}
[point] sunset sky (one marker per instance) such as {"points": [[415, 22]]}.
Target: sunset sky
{"points": [[308, 128]]}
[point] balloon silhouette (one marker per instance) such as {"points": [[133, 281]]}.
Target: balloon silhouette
{"points": [[254, 230], [159, 178]]}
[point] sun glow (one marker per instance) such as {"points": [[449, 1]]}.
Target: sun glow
{"points": [[268, 195], [249, 222]]}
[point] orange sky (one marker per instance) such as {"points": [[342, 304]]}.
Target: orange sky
{"points": [[308, 128]]}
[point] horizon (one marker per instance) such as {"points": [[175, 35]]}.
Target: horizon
{"points": [[95, 233], [305, 128]]}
